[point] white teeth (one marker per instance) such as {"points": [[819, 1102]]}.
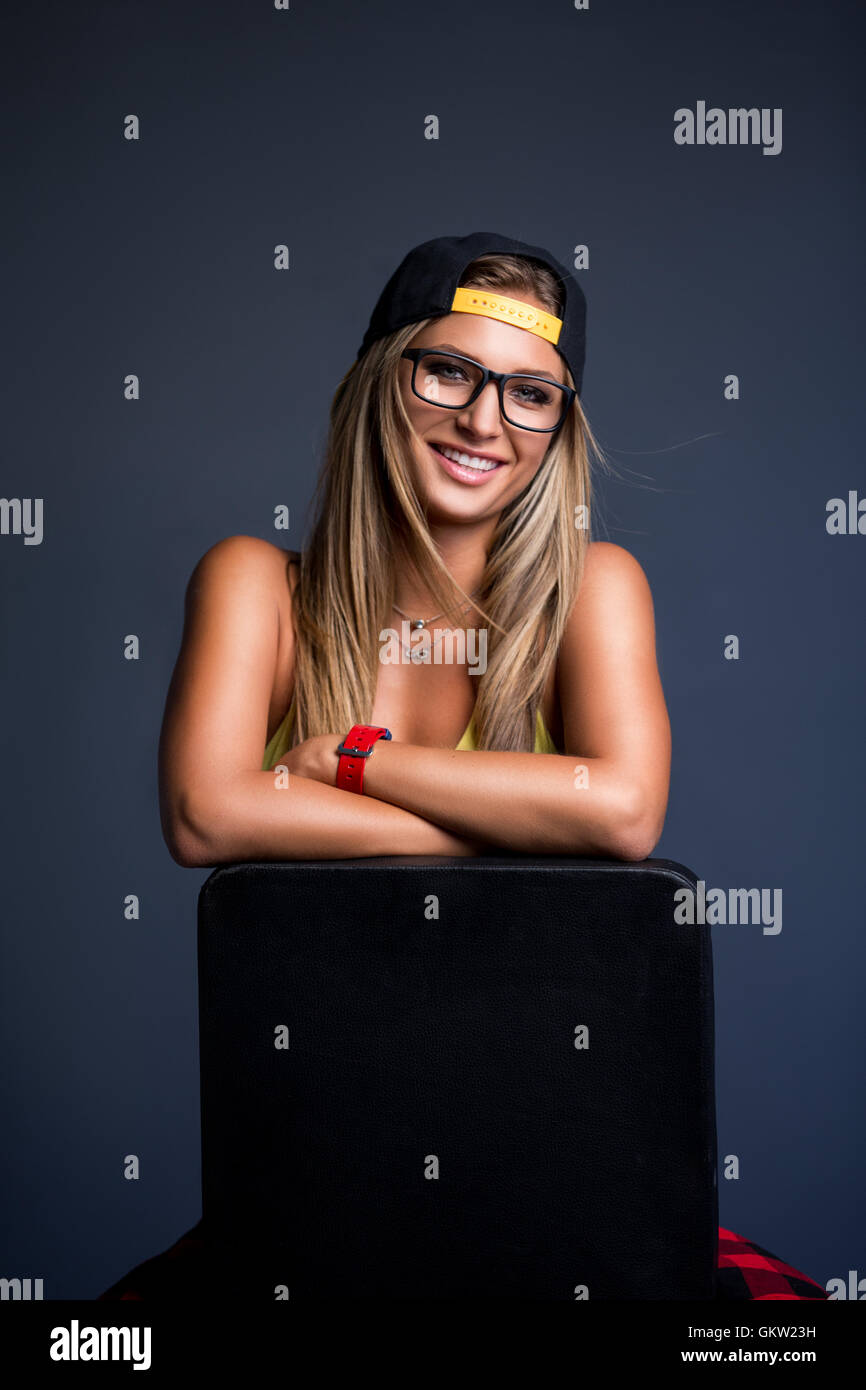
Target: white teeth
{"points": [[469, 460]]}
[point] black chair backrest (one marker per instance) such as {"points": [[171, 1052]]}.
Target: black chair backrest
{"points": [[457, 1078]]}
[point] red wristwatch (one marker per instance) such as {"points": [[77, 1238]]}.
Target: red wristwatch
{"points": [[354, 752]]}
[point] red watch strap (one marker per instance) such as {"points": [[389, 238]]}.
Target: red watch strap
{"points": [[354, 752]]}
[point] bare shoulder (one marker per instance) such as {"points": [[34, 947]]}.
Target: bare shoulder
{"points": [[614, 590], [222, 692], [244, 569], [609, 638], [610, 690], [242, 556], [611, 564]]}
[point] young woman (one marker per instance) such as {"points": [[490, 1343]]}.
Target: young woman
{"points": [[452, 517]]}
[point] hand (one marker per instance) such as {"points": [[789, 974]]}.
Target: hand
{"points": [[316, 758]]}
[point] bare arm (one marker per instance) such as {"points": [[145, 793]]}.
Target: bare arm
{"points": [[216, 804], [307, 820], [608, 793]]}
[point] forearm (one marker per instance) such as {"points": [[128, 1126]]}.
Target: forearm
{"points": [[525, 802], [254, 817]]}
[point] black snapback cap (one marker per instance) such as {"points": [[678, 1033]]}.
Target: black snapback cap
{"points": [[426, 282]]}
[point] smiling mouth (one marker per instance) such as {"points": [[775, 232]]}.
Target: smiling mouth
{"points": [[483, 463]]}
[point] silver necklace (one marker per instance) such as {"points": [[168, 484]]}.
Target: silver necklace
{"points": [[414, 653]]}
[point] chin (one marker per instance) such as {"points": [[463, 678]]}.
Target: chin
{"points": [[443, 498]]}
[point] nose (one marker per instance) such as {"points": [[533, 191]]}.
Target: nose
{"points": [[483, 416]]}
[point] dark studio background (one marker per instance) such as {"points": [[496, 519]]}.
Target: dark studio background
{"points": [[155, 257]]}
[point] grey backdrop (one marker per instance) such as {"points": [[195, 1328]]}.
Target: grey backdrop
{"points": [[155, 257]]}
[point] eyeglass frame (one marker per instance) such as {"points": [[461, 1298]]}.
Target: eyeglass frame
{"points": [[488, 375]]}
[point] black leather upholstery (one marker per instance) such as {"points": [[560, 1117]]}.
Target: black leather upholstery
{"points": [[415, 1037]]}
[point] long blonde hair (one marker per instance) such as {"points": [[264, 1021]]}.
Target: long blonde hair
{"points": [[365, 499]]}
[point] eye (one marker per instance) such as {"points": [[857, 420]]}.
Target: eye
{"points": [[530, 393], [445, 368]]}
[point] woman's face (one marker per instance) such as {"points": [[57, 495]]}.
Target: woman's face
{"points": [[478, 430]]}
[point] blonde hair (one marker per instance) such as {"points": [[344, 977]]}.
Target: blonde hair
{"points": [[365, 499]]}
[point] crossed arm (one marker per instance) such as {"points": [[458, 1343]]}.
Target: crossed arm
{"points": [[551, 803], [606, 795]]}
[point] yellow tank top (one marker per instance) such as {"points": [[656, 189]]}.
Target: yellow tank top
{"points": [[278, 744]]}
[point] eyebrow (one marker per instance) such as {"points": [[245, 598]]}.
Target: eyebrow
{"points": [[515, 371]]}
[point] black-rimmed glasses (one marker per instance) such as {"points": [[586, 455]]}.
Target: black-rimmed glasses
{"points": [[453, 381]]}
